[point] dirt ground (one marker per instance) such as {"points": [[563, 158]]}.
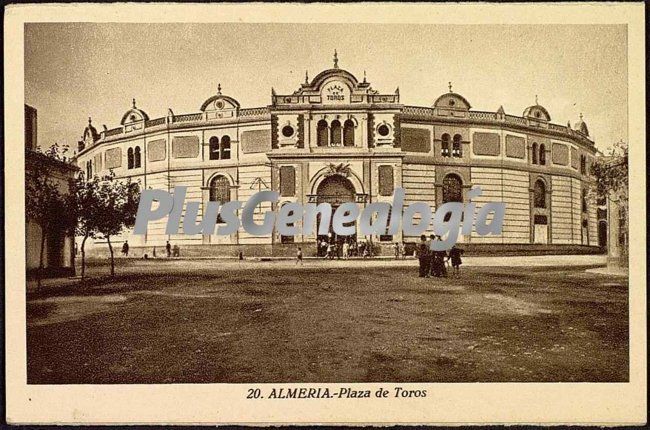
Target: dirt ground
{"points": [[212, 321]]}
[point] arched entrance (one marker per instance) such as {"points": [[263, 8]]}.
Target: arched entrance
{"points": [[335, 190]]}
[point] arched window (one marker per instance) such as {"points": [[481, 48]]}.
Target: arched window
{"points": [[445, 146], [225, 147], [220, 192], [539, 194], [322, 133], [348, 133], [542, 155], [220, 189], [452, 189], [335, 129], [584, 200], [534, 153], [89, 169], [583, 164], [137, 158], [457, 149], [129, 158], [214, 148]]}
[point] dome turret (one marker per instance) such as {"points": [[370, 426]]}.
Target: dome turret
{"points": [[134, 115], [581, 127]]}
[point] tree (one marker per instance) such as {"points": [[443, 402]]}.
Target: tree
{"points": [[84, 199], [46, 203], [611, 172], [611, 175], [115, 209]]}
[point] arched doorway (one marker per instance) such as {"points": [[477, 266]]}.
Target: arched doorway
{"points": [[335, 190]]}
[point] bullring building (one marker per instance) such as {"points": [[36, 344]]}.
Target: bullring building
{"points": [[336, 139]]}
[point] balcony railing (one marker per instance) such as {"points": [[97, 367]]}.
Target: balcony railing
{"points": [[188, 117], [482, 115], [418, 111], [155, 122], [261, 111]]}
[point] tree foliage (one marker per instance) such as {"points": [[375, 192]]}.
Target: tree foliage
{"points": [[612, 180], [611, 172], [46, 197], [115, 209], [104, 207]]}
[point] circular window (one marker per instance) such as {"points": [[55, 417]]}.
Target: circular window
{"points": [[452, 102], [287, 131], [383, 130], [219, 104]]}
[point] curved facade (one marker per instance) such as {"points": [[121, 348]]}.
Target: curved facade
{"points": [[336, 139]]}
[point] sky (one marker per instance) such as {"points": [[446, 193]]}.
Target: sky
{"points": [[77, 70]]}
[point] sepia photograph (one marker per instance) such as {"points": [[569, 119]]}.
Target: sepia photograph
{"points": [[291, 205]]}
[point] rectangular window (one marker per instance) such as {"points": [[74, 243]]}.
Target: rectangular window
{"points": [[287, 181], [386, 181]]}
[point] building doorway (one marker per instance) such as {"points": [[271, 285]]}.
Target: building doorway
{"points": [[540, 232], [602, 234], [335, 190]]}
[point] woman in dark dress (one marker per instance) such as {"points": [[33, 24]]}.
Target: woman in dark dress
{"points": [[455, 257]]}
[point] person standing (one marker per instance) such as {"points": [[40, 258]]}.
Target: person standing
{"points": [[299, 256], [396, 248], [168, 248], [346, 249], [153, 254], [455, 254], [125, 248], [330, 251], [438, 268], [423, 256], [434, 268]]}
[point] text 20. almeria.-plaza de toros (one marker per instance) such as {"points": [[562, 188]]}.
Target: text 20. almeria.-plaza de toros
{"points": [[336, 139]]}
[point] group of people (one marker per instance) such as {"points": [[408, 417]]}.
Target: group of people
{"points": [[400, 250], [174, 251], [434, 263], [330, 248]]}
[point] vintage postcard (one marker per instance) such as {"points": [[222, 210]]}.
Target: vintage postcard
{"points": [[363, 214]]}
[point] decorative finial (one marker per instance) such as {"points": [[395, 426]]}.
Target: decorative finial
{"points": [[306, 76], [536, 99], [450, 87], [580, 116], [336, 60], [219, 88], [364, 77], [90, 120], [134, 103]]}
